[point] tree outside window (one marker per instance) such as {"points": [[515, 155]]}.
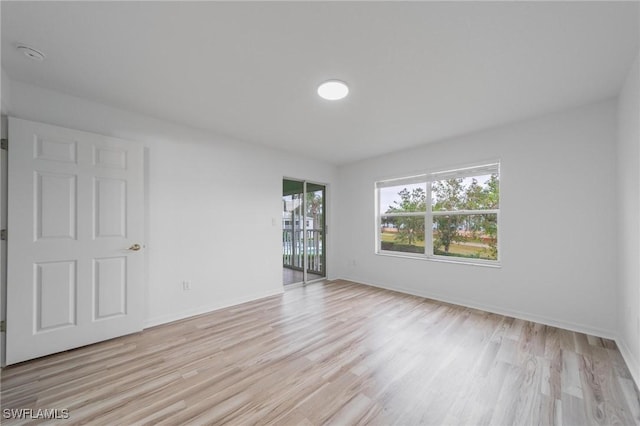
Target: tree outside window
{"points": [[462, 219]]}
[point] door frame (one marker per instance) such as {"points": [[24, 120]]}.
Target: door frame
{"points": [[304, 182], [4, 198]]}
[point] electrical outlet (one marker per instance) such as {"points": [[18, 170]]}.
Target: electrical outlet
{"points": [[186, 285]]}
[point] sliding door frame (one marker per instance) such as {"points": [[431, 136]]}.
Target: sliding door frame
{"points": [[305, 260]]}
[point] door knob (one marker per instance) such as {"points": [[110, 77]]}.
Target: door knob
{"points": [[135, 247]]}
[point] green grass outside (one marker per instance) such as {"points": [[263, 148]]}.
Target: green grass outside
{"points": [[390, 237], [455, 249]]}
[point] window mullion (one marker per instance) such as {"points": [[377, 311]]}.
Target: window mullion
{"points": [[464, 212], [403, 214]]}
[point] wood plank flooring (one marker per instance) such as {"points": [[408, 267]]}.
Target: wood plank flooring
{"points": [[292, 276], [335, 353]]}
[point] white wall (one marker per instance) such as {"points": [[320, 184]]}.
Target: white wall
{"points": [[211, 203], [5, 91], [557, 229], [629, 214]]}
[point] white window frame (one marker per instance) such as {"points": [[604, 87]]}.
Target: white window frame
{"points": [[492, 167]]}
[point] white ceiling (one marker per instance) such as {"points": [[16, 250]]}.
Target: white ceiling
{"points": [[418, 72]]}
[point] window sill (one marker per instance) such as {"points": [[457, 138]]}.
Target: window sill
{"points": [[441, 259]]}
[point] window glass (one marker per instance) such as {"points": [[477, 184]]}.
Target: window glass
{"points": [[403, 198], [402, 214], [462, 221], [466, 236]]}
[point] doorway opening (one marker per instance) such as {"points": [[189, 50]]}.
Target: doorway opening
{"points": [[303, 231]]}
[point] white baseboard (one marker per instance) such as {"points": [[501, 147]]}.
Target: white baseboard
{"points": [[152, 322], [527, 316], [633, 364]]}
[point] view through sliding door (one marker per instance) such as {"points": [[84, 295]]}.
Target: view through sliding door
{"points": [[303, 231]]}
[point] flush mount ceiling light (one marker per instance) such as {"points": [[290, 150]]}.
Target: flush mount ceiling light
{"points": [[333, 90], [31, 53]]}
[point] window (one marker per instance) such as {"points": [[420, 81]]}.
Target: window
{"points": [[450, 215]]}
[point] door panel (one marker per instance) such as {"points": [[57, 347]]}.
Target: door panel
{"points": [[56, 286], [75, 208], [56, 206], [111, 208], [303, 242], [110, 286]]}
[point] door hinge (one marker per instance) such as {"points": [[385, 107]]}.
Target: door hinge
{"points": [[3, 326], [4, 144], [3, 235]]}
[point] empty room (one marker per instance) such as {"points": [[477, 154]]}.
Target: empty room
{"points": [[306, 213]]}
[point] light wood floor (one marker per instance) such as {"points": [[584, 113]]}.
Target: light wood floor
{"points": [[336, 353], [292, 276]]}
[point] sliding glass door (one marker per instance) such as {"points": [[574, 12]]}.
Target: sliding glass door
{"points": [[303, 231]]}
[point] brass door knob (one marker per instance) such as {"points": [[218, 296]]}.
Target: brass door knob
{"points": [[135, 247]]}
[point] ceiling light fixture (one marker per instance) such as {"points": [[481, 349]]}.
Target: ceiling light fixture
{"points": [[31, 53], [333, 90]]}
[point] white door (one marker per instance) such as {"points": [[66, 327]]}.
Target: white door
{"points": [[75, 228]]}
